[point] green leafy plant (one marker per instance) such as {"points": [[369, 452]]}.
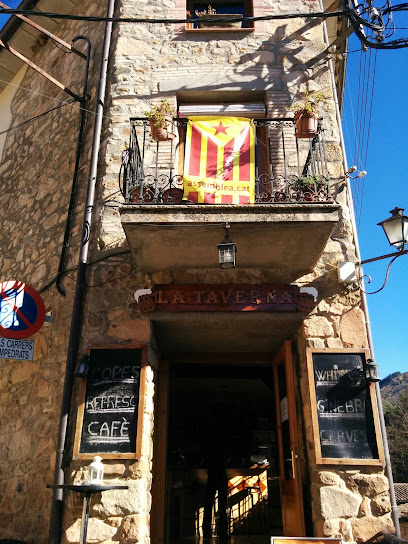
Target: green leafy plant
{"points": [[209, 11], [308, 103], [309, 182], [158, 113]]}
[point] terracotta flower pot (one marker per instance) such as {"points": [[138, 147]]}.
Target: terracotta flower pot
{"points": [[146, 196], [162, 134], [173, 195], [306, 124], [312, 194], [307, 195]]}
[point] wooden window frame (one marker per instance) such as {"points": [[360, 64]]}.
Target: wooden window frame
{"points": [[315, 423], [248, 12], [77, 454]]}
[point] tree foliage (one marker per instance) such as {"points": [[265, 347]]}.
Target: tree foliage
{"points": [[396, 417]]}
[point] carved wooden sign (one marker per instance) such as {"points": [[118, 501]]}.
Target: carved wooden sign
{"points": [[226, 298]]}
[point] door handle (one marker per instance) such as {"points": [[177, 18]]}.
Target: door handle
{"points": [[292, 461], [294, 457]]}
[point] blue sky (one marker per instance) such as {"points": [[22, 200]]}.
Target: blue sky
{"points": [[384, 187], [10, 4]]}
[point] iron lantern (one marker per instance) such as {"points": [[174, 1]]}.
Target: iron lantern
{"points": [[396, 228], [227, 251], [372, 371]]}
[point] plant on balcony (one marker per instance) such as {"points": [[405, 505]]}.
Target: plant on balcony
{"points": [[211, 13], [306, 112], [161, 121], [173, 195], [311, 188], [142, 195]]}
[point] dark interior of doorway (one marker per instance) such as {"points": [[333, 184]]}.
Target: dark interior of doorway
{"points": [[238, 402]]}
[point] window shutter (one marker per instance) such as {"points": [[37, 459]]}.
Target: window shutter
{"points": [[251, 111]]}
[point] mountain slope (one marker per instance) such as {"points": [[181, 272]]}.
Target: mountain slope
{"points": [[393, 385]]}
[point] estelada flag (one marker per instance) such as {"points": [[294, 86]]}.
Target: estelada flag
{"points": [[219, 161]]}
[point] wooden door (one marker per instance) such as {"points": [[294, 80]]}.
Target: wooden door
{"points": [[288, 447], [158, 512]]}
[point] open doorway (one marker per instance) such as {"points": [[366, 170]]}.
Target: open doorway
{"points": [[223, 411]]}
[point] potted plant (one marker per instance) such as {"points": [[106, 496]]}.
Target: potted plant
{"points": [[173, 195], [161, 121], [311, 188], [211, 13], [141, 195], [306, 112]]}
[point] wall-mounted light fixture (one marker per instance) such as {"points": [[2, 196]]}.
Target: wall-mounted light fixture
{"points": [[352, 169], [396, 231], [227, 251], [396, 228], [81, 370], [372, 372]]}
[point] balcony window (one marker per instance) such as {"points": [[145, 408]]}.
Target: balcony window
{"points": [[212, 10]]}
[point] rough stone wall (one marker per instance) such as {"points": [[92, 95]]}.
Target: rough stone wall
{"points": [[36, 173], [280, 58], [347, 501], [149, 62]]}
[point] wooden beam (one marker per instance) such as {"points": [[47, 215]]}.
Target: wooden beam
{"points": [[40, 71], [343, 36], [46, 32], [333, 6]]}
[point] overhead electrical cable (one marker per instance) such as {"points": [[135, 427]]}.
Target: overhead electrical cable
{"points": [[368, 17], [101, 19], [72, 103], [367, 138], [32, 119]]}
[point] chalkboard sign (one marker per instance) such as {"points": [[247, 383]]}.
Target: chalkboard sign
{"points": [[108, 418], [343, 408]]}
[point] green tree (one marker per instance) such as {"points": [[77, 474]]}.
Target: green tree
{"points": [[396, 417]]}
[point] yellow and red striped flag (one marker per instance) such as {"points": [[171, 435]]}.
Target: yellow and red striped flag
{"points": [[219, 162]]}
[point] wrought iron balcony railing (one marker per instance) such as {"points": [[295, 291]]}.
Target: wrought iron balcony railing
{"points": [[288, 169]]}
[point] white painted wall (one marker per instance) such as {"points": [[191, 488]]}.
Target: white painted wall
{"points": [[6, 98]]}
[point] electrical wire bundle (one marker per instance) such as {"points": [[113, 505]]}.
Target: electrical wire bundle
{"points": [[373, 25]]}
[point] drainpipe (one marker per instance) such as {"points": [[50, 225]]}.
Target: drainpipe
{"points": [[55, 530], [388, 470]]}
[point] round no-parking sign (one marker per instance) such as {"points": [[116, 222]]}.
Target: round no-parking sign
{"points": [[22, 310]]}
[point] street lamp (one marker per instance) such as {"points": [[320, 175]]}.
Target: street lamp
{"points": [[396, 228], [227, 251], [396, 231]]}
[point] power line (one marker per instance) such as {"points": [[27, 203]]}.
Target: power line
{"points": [[376, 23], [380, 30], [35, 118], [101, 19], [72, 103]]}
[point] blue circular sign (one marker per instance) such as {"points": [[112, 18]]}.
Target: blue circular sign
{"points": [[22, 310]]}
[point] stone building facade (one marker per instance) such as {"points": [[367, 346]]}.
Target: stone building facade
{"points": [[143, 247]]}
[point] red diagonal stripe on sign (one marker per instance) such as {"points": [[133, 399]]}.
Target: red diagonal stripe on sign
{"points": [[15, 309], [195, 151], [212, 152]]}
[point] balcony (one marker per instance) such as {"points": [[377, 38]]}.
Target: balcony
{"points": [[153, 173], [283, 232]]}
